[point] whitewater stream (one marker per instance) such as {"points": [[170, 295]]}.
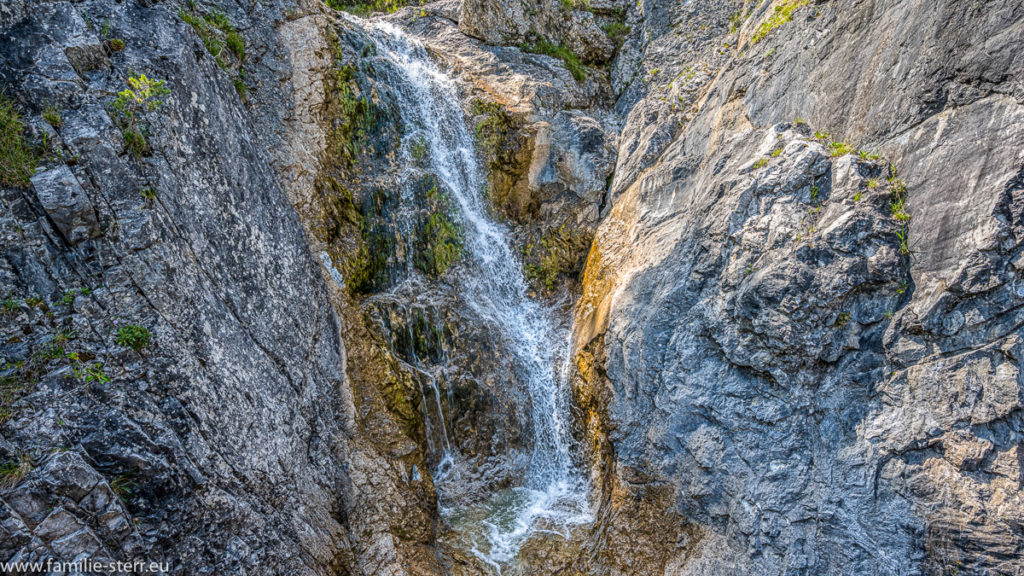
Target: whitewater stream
{"points": [[553, 494]]}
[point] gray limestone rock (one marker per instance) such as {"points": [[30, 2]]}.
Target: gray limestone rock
{"points": [[66, 204]]}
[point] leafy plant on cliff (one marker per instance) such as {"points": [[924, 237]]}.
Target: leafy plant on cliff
{"points": [[130, 107], [52, 116], [133, 336], [18, 157], [90, 373]]}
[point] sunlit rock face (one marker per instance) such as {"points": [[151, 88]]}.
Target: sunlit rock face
{"points": [[824, 376]]}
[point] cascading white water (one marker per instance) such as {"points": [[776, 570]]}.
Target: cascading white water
{"points": [[553, 495]]}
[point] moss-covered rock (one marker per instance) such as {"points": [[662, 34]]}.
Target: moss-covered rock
{"points": [[438, 238], [507, 151], [558, 255]]}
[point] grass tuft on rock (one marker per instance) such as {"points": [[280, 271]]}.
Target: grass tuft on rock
{"points": [[18, 157], [217, 32], [567, 56]]}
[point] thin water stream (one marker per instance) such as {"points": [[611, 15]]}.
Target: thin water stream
{"points": [[553, 494]]}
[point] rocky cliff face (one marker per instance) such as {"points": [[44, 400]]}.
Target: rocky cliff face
{"points": [[796, 335], [811, 353], [175, 386]]}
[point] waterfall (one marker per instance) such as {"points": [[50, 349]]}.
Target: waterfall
{"points": [[553, 493]]}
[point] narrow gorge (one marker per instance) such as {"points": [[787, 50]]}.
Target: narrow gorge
{"points": [[512, 287]]}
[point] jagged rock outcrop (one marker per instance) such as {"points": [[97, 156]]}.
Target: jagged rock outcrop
{"points": [[577, 26], [817, 386]]}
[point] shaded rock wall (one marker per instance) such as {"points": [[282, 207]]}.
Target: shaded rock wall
{"points": [[231, 441]]}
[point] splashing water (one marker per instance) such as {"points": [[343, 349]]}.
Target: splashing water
{"points": [[553, 495]]}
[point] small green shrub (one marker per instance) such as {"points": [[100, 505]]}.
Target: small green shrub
{"points": [[843, 319], [776, 152], [837, 149], [904, 240], [116, 44], [142, 96], [567, 56], [735, 21], [88, 373], [236, 44], [814, 192], [69, 296], [18, 157], [133, 336], [898, 201], [94, 373], [760, 163], [134, 142]]}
